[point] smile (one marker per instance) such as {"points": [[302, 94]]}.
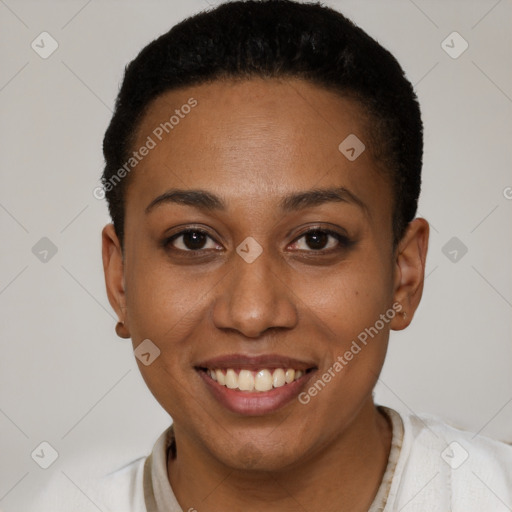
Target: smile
{"points": [[255, 385], [260, 381]]}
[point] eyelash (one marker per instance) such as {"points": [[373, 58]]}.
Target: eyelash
{"points": [[343, 241]]}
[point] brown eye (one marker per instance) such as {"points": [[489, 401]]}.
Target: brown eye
{"points": [[317, 239], [191, 240], [320, 240]]}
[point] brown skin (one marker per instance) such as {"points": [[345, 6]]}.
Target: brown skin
{"points": [[252, 143]]}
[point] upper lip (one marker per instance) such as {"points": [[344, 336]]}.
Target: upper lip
{"points": [[247, 362]]}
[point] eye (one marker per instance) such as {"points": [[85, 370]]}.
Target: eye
{"points": [[191, 240], [318, 240]]}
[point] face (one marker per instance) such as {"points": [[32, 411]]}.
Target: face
{"points": [[255, 256]]}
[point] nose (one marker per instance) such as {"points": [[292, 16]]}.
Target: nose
{"points": [[255, 297]]}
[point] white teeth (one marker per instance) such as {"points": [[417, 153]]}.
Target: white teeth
{"points": [[278, 378], [245, 380], [231, 379], [263, 381], [289, 375], [248, 380], [221, 378]]}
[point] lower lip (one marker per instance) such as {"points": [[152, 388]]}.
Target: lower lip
{"points": [[255, 403]]}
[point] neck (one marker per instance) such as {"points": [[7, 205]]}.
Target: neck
{"points": [[344, 475]]}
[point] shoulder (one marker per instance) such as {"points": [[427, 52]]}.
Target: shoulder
{"points": [[90, 483], [458, 448], [80, 489], [460, 470], [122, 490]]}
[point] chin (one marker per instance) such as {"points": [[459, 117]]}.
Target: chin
{"points": [[253, 457]]}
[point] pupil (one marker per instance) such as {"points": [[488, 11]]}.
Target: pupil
{"points": [[194, 240], [317, 239]]}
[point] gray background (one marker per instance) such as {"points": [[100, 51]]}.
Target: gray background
{"points": [[67, 379]]}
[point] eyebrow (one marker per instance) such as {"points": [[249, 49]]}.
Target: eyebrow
{"points": [[205, 200]]}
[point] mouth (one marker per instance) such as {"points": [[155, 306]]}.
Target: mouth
{"points": [[255, 385], [265, 379]]}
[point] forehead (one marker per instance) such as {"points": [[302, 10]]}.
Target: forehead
{"points": [[255, 139]]}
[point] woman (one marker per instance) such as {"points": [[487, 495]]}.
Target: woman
{"points": [[263, 167]]}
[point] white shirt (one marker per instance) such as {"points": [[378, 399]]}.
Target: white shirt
{"points": [[432, 467]]}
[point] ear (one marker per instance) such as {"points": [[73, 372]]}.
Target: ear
{"points": [[410, 259], [113, 268]]}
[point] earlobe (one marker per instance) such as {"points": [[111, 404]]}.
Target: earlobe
{"points": [[113, 268], [410, 262], [122, 331]]}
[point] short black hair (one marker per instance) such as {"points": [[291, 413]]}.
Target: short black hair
{"points": [[276, 39]]}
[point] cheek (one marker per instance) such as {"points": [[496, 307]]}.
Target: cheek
{"points": [[349, 298], [163, 301], [347, 307], [167, 307]]}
